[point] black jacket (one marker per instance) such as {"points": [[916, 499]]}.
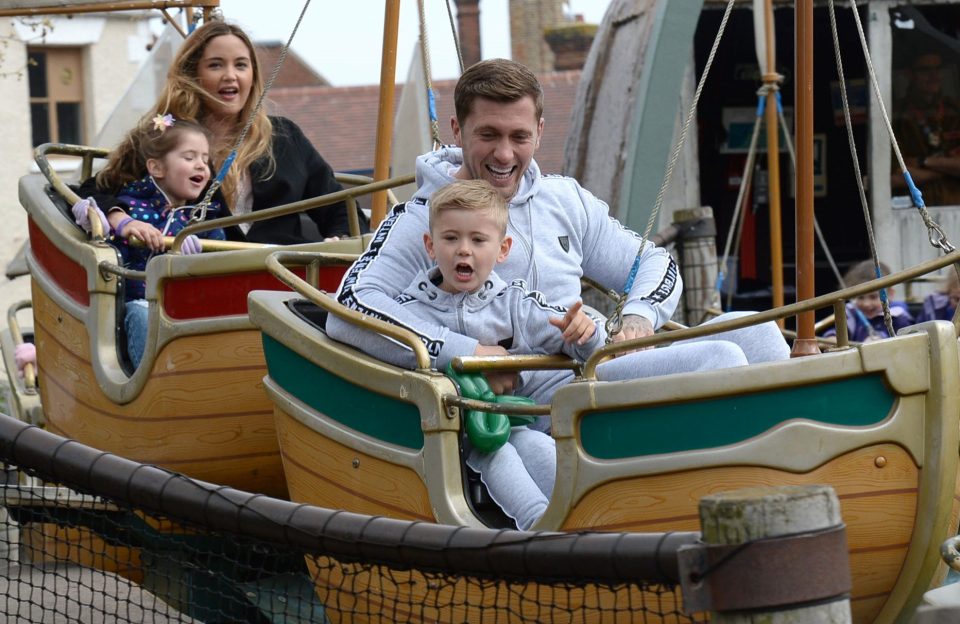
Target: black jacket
{"points": [[300, 173]]}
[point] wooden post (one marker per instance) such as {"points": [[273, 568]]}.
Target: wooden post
{"points": [[776, 555], [697, 252]]}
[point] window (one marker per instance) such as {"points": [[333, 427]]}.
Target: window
{"points": [[56, 95]]}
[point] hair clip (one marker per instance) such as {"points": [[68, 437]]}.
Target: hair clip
{"points": [[162, 122]]}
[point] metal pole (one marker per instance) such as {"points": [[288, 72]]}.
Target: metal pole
{"points": [[388, 70], [771, 78], [806, 343]]}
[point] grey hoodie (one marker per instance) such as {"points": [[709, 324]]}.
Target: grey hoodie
{"points": [[509, 315], [560, 233]]}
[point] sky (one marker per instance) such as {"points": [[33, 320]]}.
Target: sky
{"points": [[342, 39]]}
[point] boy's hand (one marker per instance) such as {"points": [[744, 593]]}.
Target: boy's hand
{"points": [[503, 382], [575, 324]]}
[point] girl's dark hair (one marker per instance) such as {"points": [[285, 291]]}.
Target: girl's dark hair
{"points": [[129, 161]]}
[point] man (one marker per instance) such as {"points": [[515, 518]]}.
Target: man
{"points": [[560, 231], [927, 126]]}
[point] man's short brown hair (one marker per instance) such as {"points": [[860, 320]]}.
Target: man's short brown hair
{"points": [[500, 80], [470, 195]]}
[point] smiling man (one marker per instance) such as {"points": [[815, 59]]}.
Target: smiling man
{"points": [[560, 233]]}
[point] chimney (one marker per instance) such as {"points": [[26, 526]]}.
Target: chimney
{"points": [[529, 19], [468, 25], [570, 44]]}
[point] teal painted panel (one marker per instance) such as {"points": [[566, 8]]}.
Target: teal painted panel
{"points": [[709, 423], [372, 414]]}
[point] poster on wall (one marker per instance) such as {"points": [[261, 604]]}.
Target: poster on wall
{"points": [[819, 165], [738, 123]]}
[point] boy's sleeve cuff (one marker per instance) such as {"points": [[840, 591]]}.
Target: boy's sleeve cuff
{"points": [[455, 345]]}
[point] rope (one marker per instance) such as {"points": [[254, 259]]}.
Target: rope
{"points": [[736, 224], [935, 234], [199, 212], [884, 302], [456, 39], [425, 58], [615, 322]]}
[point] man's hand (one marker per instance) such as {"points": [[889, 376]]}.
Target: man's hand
{"points": [[575, 324], [634, 326], [500, 382]]}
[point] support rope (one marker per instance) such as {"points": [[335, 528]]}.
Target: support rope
{"points": [[615, 322], [425, 58], [199, 211]]}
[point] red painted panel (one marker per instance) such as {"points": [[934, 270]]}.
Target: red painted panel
{"points": [[67, 274], [226, 295]]}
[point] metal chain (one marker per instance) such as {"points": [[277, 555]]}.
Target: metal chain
{"points": [[199, 211]]}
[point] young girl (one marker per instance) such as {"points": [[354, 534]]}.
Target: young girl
{"points": [[170, 168]]}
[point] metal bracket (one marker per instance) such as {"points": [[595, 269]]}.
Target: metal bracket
{"points": [[772, 573]]}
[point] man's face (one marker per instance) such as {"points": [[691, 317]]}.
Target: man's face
{"points": [[927, 74], [498, 141]]}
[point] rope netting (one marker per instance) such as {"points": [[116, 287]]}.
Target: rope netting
{"points": [[91, 537]]}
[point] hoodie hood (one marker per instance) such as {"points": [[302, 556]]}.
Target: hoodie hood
{"points": [[436, 169]]}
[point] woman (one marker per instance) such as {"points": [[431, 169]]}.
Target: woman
{"points": [[215, 80]]}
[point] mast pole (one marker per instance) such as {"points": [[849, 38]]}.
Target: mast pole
{"points": [[388, 71], [771, 78], [806, 342]]}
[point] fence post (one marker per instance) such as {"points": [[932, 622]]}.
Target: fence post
{"points": [[697, 255], [776, 555]]}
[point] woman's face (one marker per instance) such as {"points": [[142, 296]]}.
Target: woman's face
{"points": [[225, 71]]}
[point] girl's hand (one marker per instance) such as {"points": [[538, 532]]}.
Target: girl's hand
{"points": [[81, 214], [144, 232], [575, 325]]}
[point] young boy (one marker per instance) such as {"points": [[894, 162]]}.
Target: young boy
{"points": [[865, 313], [467, 238]]}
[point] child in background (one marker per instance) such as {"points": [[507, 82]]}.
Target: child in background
{"points": [[865, 314], [172, 168], [940, 305]]}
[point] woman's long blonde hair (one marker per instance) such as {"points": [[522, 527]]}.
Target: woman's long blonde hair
{"points": [[183, 98]]}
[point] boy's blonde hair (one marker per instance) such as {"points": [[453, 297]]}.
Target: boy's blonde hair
{"points": [[864, 272], [470, 195]]}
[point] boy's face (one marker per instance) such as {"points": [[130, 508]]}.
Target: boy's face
{"points": [[466, 244], [870, 303]]}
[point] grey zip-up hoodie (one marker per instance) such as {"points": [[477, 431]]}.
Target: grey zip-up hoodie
{"points": [[509, 315], [560, 233]]}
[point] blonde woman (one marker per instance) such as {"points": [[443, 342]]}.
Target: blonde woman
{"points": [[215, 80]]}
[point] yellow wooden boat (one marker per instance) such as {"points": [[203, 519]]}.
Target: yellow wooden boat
{"points": [[196, 403], [879, 422]]}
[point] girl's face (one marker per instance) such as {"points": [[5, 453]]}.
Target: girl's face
{"points": [[184, 171], [225, 71]]}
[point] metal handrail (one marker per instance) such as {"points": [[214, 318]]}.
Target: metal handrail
{"points": [[275, 265], [836, 299], [29, 372], [365, 186]]}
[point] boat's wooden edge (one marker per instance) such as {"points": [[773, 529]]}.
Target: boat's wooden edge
{"points": [[100, 315], [438, 462]]}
